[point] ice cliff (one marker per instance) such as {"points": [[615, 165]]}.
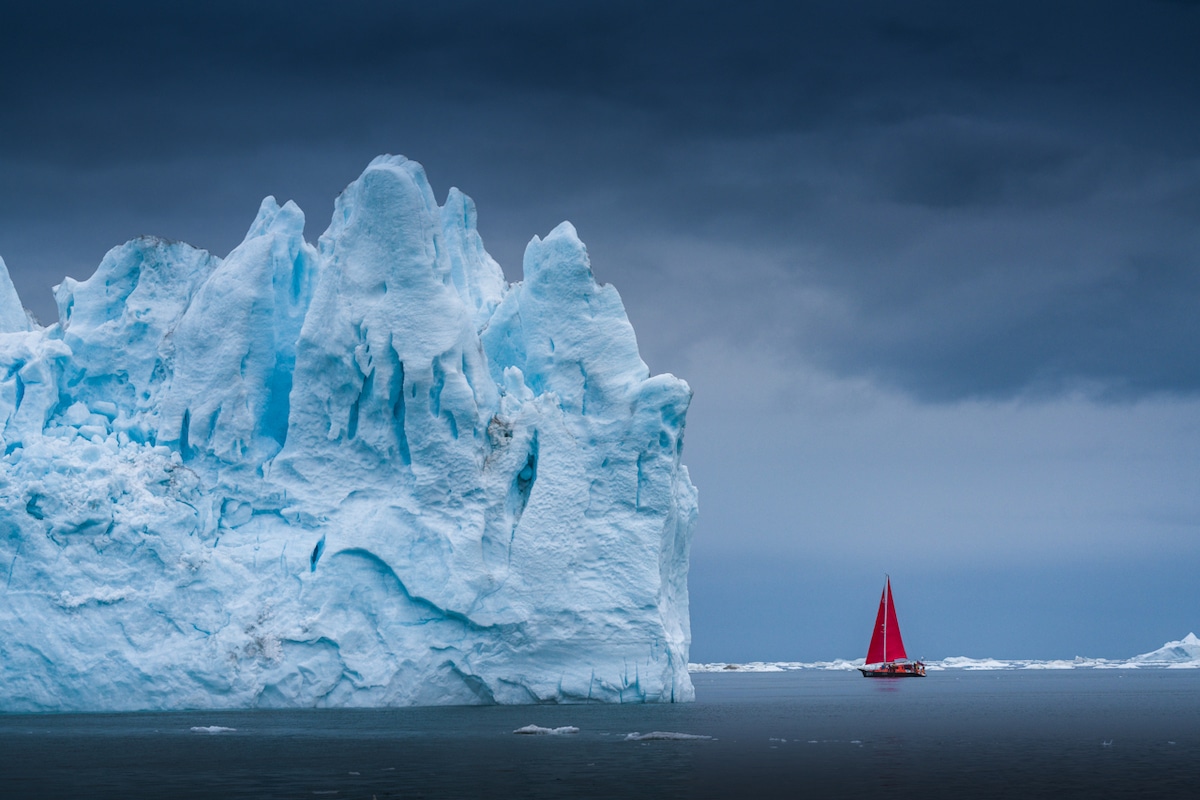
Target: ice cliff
{"points": [[364, 473]]}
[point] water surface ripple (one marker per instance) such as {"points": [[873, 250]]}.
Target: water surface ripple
{"points": [[1074, 733]]}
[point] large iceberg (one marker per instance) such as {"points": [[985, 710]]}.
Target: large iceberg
{"points": [[364, 473]]}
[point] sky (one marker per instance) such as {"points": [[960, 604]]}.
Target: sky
{"points": [[932, 269]]}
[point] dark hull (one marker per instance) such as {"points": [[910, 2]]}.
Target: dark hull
{"points": [[913, 669]]}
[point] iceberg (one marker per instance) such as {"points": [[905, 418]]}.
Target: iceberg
{"points": [[368, 472], [1182, 654]]}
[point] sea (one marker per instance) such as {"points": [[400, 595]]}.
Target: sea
{"points": [[808, 733]]}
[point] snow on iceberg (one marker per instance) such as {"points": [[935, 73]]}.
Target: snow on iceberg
{"points": [[364, 473]]}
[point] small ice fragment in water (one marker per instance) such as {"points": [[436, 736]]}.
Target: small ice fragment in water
{"points": [[538, 730], [212, 729], [669, 735]]}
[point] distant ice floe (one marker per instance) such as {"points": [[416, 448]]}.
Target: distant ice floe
{"points": [[963, 662], [212, 729], [538, 730], [776, 666], [1183, 654], [663, 735]]}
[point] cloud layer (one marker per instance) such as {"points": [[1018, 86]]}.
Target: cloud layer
{"points": [[981, 201]]}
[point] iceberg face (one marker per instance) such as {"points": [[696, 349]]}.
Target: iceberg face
{"points": [[364, 473]]}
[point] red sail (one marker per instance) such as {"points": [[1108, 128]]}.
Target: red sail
{"points": [[886, 644]]}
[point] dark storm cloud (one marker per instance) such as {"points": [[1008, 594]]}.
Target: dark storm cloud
{"points": [[991, 198]]}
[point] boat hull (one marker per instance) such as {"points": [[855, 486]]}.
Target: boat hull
{"points": [[907, 669]]}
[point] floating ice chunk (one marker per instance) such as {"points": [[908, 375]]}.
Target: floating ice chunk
{"points": [[538, 730], [663, 735], [212, 729]]}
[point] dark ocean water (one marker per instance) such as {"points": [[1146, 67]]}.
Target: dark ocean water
{"points": [[1078, 733]]}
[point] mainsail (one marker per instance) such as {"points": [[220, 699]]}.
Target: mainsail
{"points": [[886, 644]]}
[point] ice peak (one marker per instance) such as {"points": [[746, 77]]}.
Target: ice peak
{"points": [[270, 213], [13, 317], [560, 259], [477, 277], [568, 334], [389, 160]]}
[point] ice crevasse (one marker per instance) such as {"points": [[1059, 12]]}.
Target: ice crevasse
{"points": [[365, 473]]}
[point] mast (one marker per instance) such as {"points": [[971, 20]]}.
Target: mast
{"points": [[892, 625], [887, 591]]}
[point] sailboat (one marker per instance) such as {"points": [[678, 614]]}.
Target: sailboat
{"points": [[885, 656]]}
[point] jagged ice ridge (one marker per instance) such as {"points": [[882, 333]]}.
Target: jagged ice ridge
{"points": [[364, 473]]}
